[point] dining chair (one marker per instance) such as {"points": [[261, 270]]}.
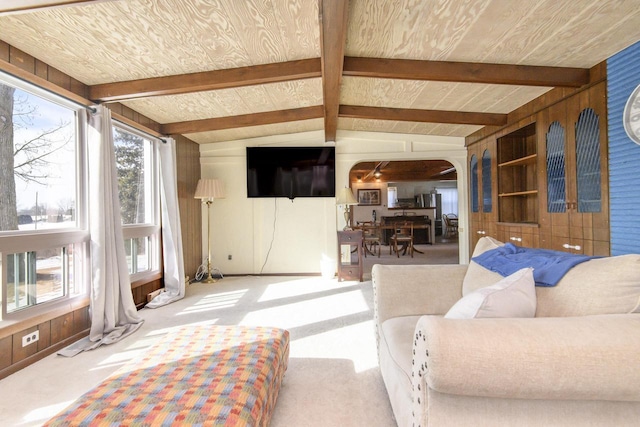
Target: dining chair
{"points": [[372, 238], [451, 224], [403, 236]]}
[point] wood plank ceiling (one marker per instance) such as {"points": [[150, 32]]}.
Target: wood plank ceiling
{"points": [[227, 69]]}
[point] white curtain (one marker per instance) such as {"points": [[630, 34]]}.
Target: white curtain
{"points": [[113, 312], [174, 281], [449, 200]]}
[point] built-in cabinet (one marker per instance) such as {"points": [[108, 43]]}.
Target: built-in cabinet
{"points": [[551, 179]]}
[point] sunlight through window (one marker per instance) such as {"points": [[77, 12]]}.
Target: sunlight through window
{"points": [[215, 302], [310, 310]]}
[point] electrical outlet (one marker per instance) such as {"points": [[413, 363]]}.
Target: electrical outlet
{"points": [[30, 338], [229, 257]]}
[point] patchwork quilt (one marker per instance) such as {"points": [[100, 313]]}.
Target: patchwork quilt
{"points": [[203, 375]]}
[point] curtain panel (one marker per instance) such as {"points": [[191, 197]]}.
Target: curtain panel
{"points": [[113, 311], [173, 259]]}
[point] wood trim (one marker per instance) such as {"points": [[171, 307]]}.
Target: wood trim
{"points": [[43, 83], [11, 327], [15, 367], [207, 80], [146, 280], [334, 15], [467, 72], [136, 125], [422, 116], [38, 5], [529, 110], [245, 120]]}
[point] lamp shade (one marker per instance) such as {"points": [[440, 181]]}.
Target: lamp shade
{"points": [[209, 189], [345, 197]]}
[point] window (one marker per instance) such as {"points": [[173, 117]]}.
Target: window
{"points": [[136, 159], [449, 199], [43, 233]]}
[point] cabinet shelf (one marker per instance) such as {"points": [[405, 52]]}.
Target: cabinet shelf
{"points": [[527, 160], [518, 176], [519, 193]]}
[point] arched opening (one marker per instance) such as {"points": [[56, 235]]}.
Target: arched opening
{"points": [[412, 190]]}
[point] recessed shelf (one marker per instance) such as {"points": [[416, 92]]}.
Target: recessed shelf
{"points": [[517, 176], [527, 160]]}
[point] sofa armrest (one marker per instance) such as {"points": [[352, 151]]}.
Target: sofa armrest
{"points": [[572, 358], [414, 290]]}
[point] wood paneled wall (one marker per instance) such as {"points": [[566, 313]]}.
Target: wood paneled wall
{"points": [[58, 330], [188, 164]]}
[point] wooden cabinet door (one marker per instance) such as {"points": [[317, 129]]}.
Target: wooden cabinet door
{"points": [[525, 235], [483, 190], [574, 215], [474, 185]]}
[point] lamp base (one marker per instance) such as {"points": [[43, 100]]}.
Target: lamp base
{"points": [[209, 280]]}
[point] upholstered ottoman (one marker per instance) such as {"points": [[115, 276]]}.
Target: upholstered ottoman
{"points": [[204, 375]]}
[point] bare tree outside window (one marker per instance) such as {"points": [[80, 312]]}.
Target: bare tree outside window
{"points": [[36, 148]]}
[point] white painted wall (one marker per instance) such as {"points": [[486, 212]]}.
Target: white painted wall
{"points": [[280, 236]]}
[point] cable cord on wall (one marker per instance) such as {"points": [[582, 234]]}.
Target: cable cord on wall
{"points": [[273, 236]]}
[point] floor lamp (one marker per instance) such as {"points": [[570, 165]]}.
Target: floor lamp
{"points": [[208, 190], [345, 198]]}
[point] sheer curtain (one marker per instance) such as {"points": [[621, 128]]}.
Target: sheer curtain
{"points": [[173, 260], [113, 312], [449, 200]]}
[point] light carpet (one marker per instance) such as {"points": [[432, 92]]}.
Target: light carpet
{"points": [[332, 380]]}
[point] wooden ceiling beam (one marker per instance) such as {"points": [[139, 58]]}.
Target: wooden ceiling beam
{"points": [[245, 120], [466, 72], [28, 6], [207, 80], [422, 116], [333, 35]]}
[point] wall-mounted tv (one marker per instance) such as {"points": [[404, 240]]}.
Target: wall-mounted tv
{"points": [[291, 172]]}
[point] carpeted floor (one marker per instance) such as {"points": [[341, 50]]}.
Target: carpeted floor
{"points": [[332, 380], [333, 377]]}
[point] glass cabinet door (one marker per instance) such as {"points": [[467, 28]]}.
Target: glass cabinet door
{"points": [[588, 161], [556, 170], [487, 204], [473, 166]]}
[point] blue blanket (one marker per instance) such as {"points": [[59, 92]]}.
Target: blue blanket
{"points": [[548, 266]]}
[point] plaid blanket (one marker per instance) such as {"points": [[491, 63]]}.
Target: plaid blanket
{"points": [[205, 375]]}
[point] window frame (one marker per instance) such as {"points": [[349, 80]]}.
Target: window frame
{"points": [[20, 241], [148, 229]]}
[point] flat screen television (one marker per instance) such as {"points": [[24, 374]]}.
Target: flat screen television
{"points": [[291, 172]]}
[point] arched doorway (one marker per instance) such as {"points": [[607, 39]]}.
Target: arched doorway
{"points": [[404, 189]]}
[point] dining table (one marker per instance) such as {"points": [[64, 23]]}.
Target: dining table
{"points": [[391, 226]]}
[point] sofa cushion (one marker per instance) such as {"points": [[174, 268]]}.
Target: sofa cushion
{"points": [[609, 285], [513, 296], [477, 276]]}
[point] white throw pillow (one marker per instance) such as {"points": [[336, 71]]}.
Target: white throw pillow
{"points": [[477, 276], [513, 296]]}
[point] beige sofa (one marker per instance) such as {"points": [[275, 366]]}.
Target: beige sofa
{"points": [[576, 363]]}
